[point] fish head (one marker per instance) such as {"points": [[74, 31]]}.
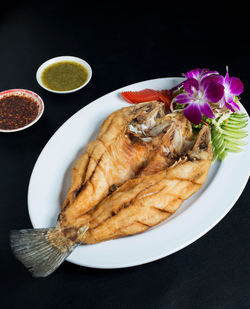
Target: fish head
{"points": [[153, 124], [145, 117]]}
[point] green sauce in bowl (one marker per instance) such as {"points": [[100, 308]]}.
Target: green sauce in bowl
{"points": [[64, 76]]}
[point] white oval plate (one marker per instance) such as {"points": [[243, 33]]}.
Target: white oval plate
{"points": [[197, 215]]}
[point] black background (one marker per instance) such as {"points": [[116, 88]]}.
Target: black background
{"points": [[124, 43]]}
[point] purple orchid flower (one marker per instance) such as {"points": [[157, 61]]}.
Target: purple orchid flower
{"points": [[199, 74], [202, 88], [233, 87]]}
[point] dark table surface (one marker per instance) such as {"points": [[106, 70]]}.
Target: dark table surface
{"points": [[124, 44]]}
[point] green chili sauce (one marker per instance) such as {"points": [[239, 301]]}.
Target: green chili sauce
{"points": [[64, 76]]}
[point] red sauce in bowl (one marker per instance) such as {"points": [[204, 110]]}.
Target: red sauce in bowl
{"points": [[16, 111]]}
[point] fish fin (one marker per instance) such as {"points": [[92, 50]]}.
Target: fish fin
{"points": [[39, 249]]}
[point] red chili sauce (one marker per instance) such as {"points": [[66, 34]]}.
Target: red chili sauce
{"points": [[17, 111]]}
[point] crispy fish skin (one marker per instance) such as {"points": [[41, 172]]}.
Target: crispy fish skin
{"points": [[108, 161], [130, 155], [145, 201], [118, 154]]}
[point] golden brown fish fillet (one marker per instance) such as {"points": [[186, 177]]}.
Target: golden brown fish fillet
{"points": [[145, 201], [136, 140], [107, 162], [132, 140]]}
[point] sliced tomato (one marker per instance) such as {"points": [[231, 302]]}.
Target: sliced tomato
{"points": [[140, 96], [146, 95]]}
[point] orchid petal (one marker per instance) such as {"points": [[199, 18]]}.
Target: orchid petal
{"points": [[191, 85], [205, 82], [192, 74], [233, 106], [236, 107], [195, 73], [183, 99], [206, 110], [229, 106], [192, 113], [209, 73], [230, 99], [214, 92], [212, 78], [236, 86], [199, 74]]}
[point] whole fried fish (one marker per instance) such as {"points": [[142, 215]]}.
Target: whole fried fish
{"points": [[145, 201], [136, 141]]}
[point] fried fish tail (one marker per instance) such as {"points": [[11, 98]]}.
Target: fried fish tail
{"points": [[42, 251]]}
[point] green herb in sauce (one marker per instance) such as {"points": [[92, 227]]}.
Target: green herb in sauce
{"points": [[64, 76]]}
